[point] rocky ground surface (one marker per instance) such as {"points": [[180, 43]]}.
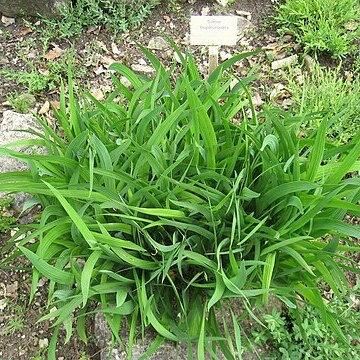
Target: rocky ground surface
{"points": [[24, 46]]}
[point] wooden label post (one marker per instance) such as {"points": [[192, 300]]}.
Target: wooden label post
{"points": [[213, 31]]}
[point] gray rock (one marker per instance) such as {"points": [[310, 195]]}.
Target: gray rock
{"points": [[9, 126], [243, 25], [158, 43], [46, 8]]}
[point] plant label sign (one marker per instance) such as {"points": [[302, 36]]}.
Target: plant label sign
{"points": [[213, 30]]}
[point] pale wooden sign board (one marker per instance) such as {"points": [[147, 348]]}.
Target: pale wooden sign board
{"points": [[213, 30]]}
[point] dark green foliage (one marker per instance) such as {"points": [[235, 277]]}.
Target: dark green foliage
{"points": [[166, 203], [115, 15]]}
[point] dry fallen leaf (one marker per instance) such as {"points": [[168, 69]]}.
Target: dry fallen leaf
{"points": [[99, 70], [102, 46], [44, 72], [351, 25], [55, 104], [205, 11], [54, 53], [26, 30], [11, 289], [45, 108], [107, 61], [93, 30], [115, 50], [98, 94]]}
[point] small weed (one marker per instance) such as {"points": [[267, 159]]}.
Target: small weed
{"points": [[333, 97], [117, 16], [17, 320], [84, 356], [21, 102], [4, 35], [44, 76], [284, 332], [321, 25], [6, 216]]}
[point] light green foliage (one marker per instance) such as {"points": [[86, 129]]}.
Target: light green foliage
{"points": [[53, 71], [115, 15], [4, 35], [16, 321], [21, 102], [322, 25], [6, 219], [166, 202], [284, 332], [332, 97]]}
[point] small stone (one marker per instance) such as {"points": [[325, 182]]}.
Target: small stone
{"points": [[278, 64], [7, 21], [287, 39], [177, 57], [43, 343], [256, 100], [3, 304], [245, 14], [142, 68], [309, 63], [224, 55], [158, 43]]}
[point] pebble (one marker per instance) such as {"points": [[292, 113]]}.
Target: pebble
{"points": [[287, 39], [278, 64], [7, 21], [43, 343], [142, 68], [309, 63], [158, 43]]}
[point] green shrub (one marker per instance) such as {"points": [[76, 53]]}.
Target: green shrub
{"points": [[284, 333], [322, 25], [116, 15], [328, 94], [21, 102], [165, 203]]}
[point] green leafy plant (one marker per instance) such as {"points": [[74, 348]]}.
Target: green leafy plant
{"points": [[284, 333], [165, 204], [51, 74], [7, 220], [321, 25], [16, 322], [21, 102], [115, 15], [326, 93]]}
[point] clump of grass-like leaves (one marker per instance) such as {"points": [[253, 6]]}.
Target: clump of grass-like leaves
{"points": [[165, 203], [321, 25]]}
